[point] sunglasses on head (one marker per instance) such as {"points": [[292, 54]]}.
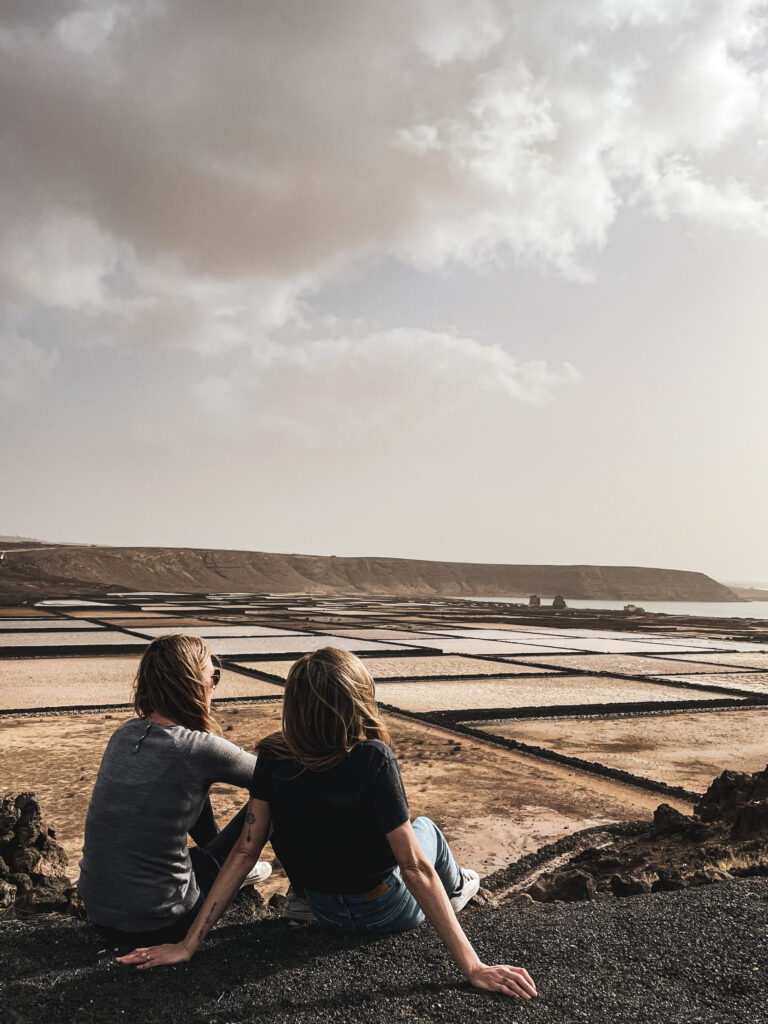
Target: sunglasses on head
{"points": [[215, 678]]}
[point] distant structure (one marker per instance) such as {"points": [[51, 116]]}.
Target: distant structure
{"points": [[633, 608], [534, 601], [559, 602]]}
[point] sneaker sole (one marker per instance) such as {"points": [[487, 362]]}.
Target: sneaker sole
{"points": [[459, 902], [298, 915], [256, 877]]}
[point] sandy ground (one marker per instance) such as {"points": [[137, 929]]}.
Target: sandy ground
{"points": [[70, 638], [388, 668], [294, 645], [167, 625], [686, 749], [214, 629], [53, 682], [513, 805], [93, 612], [34, 626], [22, 612], [384, 633], [629, 664], [741, 659], [755, 681], [462, 645], [447, 695]]}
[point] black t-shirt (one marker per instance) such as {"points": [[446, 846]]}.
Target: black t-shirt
{"points": [[329, 827]]}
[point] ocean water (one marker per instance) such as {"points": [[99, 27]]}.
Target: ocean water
{"points": [[709, 609]]}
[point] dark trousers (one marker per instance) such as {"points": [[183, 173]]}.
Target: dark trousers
{"points": [[212, 848]]}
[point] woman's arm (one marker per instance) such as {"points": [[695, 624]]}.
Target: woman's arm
{"points": [[241, 859], [426, 888]]}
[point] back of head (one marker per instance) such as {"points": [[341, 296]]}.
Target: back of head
{"points": [[328, 708], [170, 682]]}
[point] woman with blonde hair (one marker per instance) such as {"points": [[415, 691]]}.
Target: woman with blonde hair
{"points": [[329, 785], [139, 881]]}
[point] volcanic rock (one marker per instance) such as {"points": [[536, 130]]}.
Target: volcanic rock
{"points": [[752, 818], [33, 865], [728, 833], [669, 880], [277, 902], [668, 819], [629, 885]]}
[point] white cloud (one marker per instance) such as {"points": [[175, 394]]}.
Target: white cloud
{"points": [[353, 391], [24, 368], [180, 173]]}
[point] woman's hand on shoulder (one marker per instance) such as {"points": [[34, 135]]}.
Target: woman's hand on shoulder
{"points": [[512, 981], [156, 956]]}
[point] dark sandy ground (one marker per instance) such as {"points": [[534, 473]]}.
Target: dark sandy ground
{"points": [[693, 957]]}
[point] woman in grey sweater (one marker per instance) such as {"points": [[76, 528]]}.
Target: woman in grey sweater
{"points": [[138, 880]]}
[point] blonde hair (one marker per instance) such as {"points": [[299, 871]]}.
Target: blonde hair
{"points": [[329, 708], [170, 682]]}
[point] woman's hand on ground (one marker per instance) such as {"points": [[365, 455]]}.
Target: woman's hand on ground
{"points": [[156, 956], [512, 981]]}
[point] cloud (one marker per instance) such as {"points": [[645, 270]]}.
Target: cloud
{"points": [[354, 391], [184, 173], [24, 368]]}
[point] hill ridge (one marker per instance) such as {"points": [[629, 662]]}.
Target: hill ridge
{"points": [[62, 569]]}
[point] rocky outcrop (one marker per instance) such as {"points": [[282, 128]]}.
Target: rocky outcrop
{"points": [[32, 864], [726, 837], [64, 570]]}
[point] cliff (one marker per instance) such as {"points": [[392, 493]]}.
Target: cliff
{"points": [[56, 570]]}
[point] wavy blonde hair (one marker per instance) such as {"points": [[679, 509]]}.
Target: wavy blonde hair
{"points": [[170, 682], [329, 707]]}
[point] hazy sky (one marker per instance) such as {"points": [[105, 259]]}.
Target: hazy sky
{"points": [[482, 280]]}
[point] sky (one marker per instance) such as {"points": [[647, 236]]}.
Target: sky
{"points": [[480, 280]]}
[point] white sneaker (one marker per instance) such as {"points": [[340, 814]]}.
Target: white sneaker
{"points": [[297, 908], [470, 883], [260, 870]]}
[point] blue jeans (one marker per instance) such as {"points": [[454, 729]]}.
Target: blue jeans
{"points": [[394, 909]]}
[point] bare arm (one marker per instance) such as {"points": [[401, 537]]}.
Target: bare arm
{"points": [[426, 888], [241, 859]]}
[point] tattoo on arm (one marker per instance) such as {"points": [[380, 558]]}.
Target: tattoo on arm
{"points": [[207, 923], [250, 818]]}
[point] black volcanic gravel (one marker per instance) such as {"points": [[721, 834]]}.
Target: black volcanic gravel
{"points": [[696, 956]]}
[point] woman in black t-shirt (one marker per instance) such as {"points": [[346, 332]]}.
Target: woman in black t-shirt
{"points": [[329, 785]]}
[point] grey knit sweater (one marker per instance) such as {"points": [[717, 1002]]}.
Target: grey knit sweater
{"points": [[136, 874]]}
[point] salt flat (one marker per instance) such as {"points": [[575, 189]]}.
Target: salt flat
{"points": [[438, 665], [626, 664], [56, 682], [69, 638], [539, 691], [210, 630], [687, 749], [42, 624]]}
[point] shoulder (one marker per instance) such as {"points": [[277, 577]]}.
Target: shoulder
{"points": [[375, 753], [268, 763], [126, 732], [130, 726], [205, 745]]}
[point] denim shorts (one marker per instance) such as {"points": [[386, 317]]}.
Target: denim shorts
{"points": [[388, 908]]}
